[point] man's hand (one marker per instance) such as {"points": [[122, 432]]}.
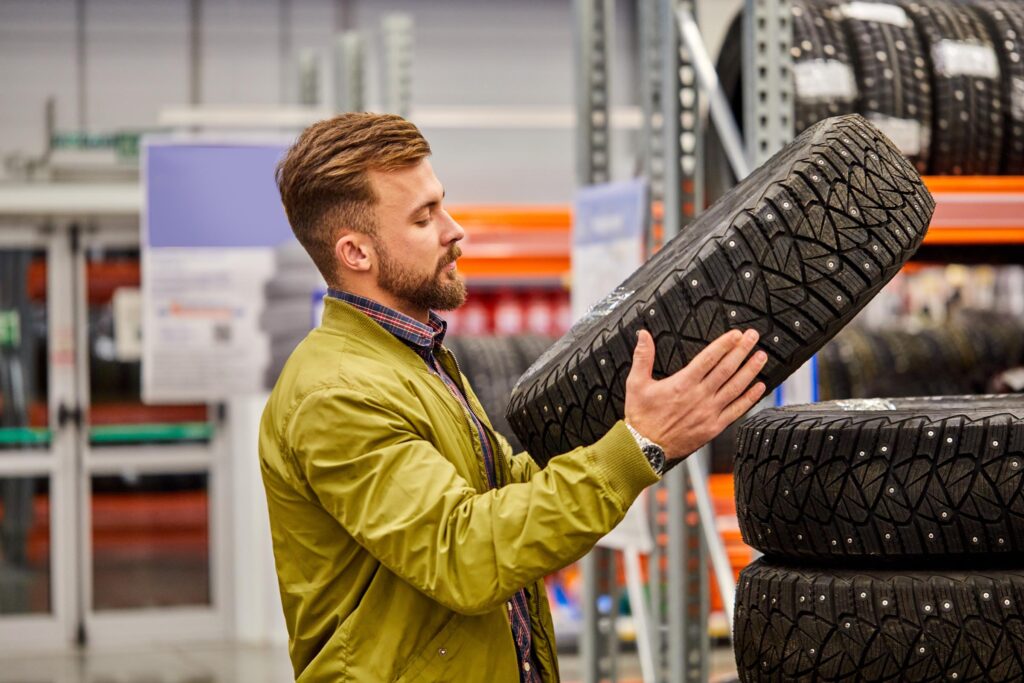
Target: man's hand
{"points": [[683, 412]]}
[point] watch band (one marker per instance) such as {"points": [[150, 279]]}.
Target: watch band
{"points": [[654, 453]]}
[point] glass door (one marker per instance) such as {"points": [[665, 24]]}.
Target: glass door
{"points": [[151, 483], [37, 432]]}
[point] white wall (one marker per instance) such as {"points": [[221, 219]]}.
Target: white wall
{"points": [[510, 53]]}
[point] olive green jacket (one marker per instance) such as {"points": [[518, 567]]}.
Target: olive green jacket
{"points": [[394, 559]]}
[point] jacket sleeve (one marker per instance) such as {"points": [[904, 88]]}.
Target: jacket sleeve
{"points": [[522, 465], [402, 500]]}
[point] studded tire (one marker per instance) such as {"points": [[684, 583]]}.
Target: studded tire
{"points": [[967, 128], [794, 251], [884, 479], [824, 625], [893, 82], [1005, 23], [820, 53]]}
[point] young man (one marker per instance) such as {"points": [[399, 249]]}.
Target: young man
{"points": [[410, 543]]}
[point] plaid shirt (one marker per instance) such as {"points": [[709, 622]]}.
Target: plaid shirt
{"points": [[425, 340]]}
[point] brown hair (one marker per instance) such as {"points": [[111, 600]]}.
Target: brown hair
{"points": [[324, 183]]}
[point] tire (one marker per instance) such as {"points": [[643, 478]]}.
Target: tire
{"points": [[893, 82], [821, 62], [785, 252], [492, 366], [799, 624], [884, 479], [1005, 24], [967, 130]]}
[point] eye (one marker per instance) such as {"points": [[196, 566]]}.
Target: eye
{"points": [[423, 223]]}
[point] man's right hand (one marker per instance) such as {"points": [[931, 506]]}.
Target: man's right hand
{"points": [[683, 412]]}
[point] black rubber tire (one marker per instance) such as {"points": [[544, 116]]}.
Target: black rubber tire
{"points": [[1005, 24], [492, 365], [967, 130], [817, 37], [800, 624], [785, 252], [884, 479], [892, 79]]}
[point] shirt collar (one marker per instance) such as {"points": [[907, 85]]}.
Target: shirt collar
{"points": [[409, 330]]}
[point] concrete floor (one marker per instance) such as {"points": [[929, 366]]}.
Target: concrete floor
{"points": [[212, 663]]}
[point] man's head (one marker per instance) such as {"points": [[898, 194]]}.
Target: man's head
{"points": [[363, 200]]}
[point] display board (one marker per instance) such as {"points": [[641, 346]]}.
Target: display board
{"points": [[212, 226]]}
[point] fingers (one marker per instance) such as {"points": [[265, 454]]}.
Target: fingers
{"points": [[740, 406], [705, 361], [643, 359], [742, 378], [727, 367]]}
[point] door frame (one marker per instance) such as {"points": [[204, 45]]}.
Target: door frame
{"points": [[147, 625], [19, 633]]}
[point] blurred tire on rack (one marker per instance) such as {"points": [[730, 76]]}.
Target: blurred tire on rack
{"points": [[1005, 23], [492, 365], [967, 126], [892, 75], [884, 479], [794, 251], [823, 77], [825, 625]]}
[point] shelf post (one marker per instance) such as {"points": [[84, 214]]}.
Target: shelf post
{"points": [[592, 47]]}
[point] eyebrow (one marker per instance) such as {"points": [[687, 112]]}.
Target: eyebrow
{"points": [[427, 205]]}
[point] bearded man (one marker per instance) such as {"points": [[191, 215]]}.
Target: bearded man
{"points": [[410, 542]]}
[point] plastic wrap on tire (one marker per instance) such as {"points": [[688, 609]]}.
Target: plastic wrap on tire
{"points": [[825, 625], [967, 128], [884, 479], [794, 251], [892, 76], [824, 80]]}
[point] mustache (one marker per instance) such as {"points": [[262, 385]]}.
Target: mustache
{"points": [[454, 253]]}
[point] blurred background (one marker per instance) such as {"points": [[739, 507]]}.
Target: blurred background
{"points": [[150, 288]]}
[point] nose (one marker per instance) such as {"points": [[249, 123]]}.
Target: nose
{"points": [[451, 232]]}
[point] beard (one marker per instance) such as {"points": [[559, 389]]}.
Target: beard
{"points": [[440, 290]]}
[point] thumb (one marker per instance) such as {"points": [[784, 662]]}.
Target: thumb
{"points": [[643, 358]]}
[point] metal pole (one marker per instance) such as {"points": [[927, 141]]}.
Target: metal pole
{"points": [[195, 44], [309, 78], [767, 77], [721, 111], [696, 469], [688, 645], [349, 82], [592, 47], [397, 63]]}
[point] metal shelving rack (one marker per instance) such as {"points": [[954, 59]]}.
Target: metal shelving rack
{"points": [[672, 147]]}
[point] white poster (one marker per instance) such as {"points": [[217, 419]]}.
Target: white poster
{"points": [[202, 337]]}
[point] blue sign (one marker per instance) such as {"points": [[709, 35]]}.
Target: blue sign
{"points": [[213, 195], [609, 212]]}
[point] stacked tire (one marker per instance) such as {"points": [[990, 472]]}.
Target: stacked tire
{"points": [[944, 79], [893, 534]]}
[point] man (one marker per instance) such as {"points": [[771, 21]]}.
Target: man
{"points": [[410, 543]]}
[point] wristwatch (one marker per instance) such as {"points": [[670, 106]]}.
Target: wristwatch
{"points": [[654, 453]]}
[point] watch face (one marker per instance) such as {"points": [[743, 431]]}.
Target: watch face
{"points": [[656, 456]]}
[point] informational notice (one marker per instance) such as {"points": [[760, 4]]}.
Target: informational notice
{"points": [[211, 227], [607, 247]]}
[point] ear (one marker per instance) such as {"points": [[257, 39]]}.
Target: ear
{"points": [[354, 252]]}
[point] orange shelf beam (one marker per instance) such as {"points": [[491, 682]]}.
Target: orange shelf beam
{"points": [[976, 210]]}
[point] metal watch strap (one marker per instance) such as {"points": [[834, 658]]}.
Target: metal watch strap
{"points": [[654, 453]]}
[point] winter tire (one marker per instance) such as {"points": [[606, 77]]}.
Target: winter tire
{"points": [[885, 479], [800, 624], [794, 251]]}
